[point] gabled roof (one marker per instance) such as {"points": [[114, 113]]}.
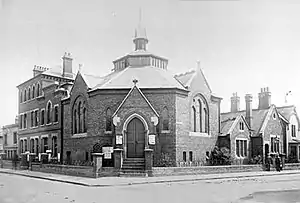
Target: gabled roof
{"points": [[288, 111], [147, 76], [186, 78], [91, 80], [141, 93], [227, 126], [259, 116]]}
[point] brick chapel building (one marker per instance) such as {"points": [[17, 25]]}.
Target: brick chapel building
{"points": [[140, 106]]}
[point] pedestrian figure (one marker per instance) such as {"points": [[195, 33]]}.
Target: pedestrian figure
{"points": [[277, 163], [15, 161], [207, 158], [268, 163]]}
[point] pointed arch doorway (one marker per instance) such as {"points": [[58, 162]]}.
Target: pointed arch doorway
{"points": [[135, 139]]}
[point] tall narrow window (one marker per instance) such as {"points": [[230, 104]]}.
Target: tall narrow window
{"points": [[49, 113], [55, 113], [25, 145], [25, 120], [190, 156], [200, 115], [29, 93], [25, 95], [38, 90], [31, 118], [245, 148], [21, 146], [42, 117], [45, 143], [84, 119], [37, 145], [54, 146], [184, 156], [108, 120], [36, 118], [15, 138], [194, 119], [33, 92], [79, 121], [237, 144], [206, 120], [32, 145], [21, 121], [21, 96], [75, 121], [165, 119]]}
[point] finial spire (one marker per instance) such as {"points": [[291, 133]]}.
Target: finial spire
{"points": [[140, 37], [135, 81]]}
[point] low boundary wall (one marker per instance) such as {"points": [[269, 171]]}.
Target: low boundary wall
{"points": [[83, 171]]}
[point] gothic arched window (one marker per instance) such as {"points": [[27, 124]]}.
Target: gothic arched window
{"points": [[38, 90], [25, 95], [28, 93], [48, 112], [200, 114], [79, 116], [33, 92]]}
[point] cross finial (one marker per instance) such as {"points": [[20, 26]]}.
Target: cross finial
{"points": [[135, 81]]}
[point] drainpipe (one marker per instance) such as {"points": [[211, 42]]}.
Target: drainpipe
{"points": [[61, 132]]}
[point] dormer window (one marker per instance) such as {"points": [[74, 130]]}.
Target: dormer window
{"points": [[242, 126], [274, 116]]}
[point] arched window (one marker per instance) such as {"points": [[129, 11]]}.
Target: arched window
{"points": [[32, 145], [206, 120], [165, 119], [79, 116], [33, 92], [48, 112], [194, 119], [28, 93], [25, 95], [200, 114], [21, 96], [21, 146], [75, 121], [84, 119], [38, 90], [108, 120], [55, 113]]}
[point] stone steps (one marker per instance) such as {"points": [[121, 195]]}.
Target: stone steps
{"points": [[133, 167]]}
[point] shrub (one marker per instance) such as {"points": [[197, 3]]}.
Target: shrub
{"points": [[165, 160], [220, 156]]}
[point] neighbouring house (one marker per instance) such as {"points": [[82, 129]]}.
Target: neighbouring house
{"points": [[265, 123], [40, 108], [10, 140], [236, 136], [292, 142], [141, 107]]}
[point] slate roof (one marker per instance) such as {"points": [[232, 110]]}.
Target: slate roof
{"points": [[226, 125], [185, 78], [57, 72], [259, 116], [147, 76]]}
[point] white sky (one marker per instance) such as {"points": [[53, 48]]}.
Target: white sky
{"points": [[243, 45]]}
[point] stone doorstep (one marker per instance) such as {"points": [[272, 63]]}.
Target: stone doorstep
{"points": [[124, 181]]}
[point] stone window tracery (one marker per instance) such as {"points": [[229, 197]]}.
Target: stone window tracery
{"points": [[200, 115]]}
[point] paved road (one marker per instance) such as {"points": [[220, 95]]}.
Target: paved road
{"points": [[284, 188]]}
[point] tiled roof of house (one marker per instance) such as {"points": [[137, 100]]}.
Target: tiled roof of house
{"points": [[286, 111], [259, 116], [147, 76], [226, 125]]}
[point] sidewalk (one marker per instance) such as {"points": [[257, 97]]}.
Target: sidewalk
{"points": [[123, 181]]}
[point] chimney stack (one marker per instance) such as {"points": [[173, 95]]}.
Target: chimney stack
{"points": [[67, 65], [235, 103], [264, 98], [249, 116]]}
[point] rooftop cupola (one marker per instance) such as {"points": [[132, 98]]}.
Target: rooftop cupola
{"points": [[140, 37]]}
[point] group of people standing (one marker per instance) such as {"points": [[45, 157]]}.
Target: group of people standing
{"points": [[278, 163]]}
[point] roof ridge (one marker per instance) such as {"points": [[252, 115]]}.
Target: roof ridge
{"points": [[184, 73]]}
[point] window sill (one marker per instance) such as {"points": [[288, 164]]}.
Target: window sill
{"points": [[242, 130], [78, 135], [54, 123], [108, 132], [199, 134], [241, 157], [165, 131], [48, 124]]}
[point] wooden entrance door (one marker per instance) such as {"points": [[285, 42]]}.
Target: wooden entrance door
{"points": [[135, 139]]}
